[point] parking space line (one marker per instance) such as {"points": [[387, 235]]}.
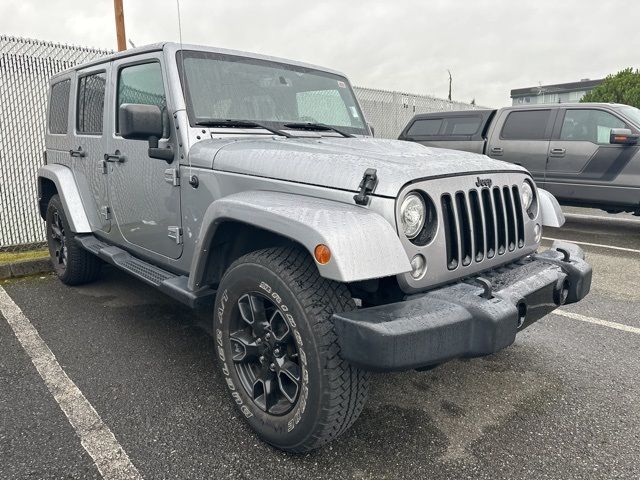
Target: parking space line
{"points": [[97, 439], [581, 216], [594, 245], [597, 321]]}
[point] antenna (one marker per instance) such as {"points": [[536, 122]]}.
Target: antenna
{"points": [[193, 181]]}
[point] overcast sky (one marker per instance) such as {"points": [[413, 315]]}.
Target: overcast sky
{"points": [[490, 46]]}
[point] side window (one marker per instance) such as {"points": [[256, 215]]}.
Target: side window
{"points": [[141, 84], [588, 125], [462, 125], [90, 103], [526, 125], [425, 127], [59, 107]]}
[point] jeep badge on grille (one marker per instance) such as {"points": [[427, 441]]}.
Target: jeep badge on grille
{"points": [[484, 182]]}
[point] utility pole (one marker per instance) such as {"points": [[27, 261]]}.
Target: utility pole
{"points": [[119, 11], [450, 79]]}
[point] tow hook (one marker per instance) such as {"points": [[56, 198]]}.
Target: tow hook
{"points": [[566, 256]]}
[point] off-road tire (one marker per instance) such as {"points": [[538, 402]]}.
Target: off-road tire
{"points": [[80, 266], [336, 390]]}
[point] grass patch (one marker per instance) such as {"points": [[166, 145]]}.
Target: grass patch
{"points": [[10, 257]]}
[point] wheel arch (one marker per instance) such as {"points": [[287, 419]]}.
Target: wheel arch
{"points": [[363, 244], [60, 178]]}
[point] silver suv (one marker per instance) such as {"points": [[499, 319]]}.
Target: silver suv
{"points": [[251, 186]]}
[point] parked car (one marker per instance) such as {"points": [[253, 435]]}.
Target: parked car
{"points": [[586, 154], [251, 186]]}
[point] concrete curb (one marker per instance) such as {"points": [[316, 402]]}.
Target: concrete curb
{"points": [[25, 267]]}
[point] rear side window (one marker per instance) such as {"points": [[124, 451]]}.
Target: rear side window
{"points": [[425, 127], [462, 125], [90, 103], [526, 125], [59, 107]]}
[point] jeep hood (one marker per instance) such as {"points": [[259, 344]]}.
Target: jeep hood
{"points": [[338, 162]]}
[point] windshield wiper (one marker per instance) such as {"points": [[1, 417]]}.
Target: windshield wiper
{"points": [[230, 123], [317, 126]]}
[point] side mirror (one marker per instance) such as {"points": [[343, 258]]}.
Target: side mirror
{"points": [[144, 122], [622, 136]]}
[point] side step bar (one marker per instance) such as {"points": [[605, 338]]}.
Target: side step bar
{"points": [[173, 285]]}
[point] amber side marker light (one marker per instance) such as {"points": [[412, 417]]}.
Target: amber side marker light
{"points": [[322, 254]]}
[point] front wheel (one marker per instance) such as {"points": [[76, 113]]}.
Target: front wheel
{"points": [[278, 350]]}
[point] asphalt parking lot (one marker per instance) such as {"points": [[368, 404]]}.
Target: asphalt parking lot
{"points": [[563, 402]]}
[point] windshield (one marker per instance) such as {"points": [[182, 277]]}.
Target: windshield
{"points": [[632, 113], [219, 86]]}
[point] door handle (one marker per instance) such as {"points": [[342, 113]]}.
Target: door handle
{"points": [[115, 157], [78, 153], [558, 152], [497, 150]]}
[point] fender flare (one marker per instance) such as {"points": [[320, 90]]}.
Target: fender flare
{"points": [[550, 210], [69, 194], [363, 244]]}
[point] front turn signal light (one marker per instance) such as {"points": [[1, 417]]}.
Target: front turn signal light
{"points": [[322, 254]]}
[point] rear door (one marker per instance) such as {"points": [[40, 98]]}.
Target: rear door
{"points": [[89, 141], [522, 137], [580, 155]]}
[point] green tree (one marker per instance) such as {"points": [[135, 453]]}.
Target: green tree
{"points": [[623, 87]]}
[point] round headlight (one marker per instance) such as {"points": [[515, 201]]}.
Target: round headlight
{"points": [[527, 195], [412, 213]]}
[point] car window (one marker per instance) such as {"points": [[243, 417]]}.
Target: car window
{"points": [[141, 84], [462, 125], [59, 107], [323, 106], [588, 125], [427, 126], [526, 125], [90, 103]]}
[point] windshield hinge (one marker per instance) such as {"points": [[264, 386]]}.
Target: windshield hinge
{"points": [[172, 176], [175, 233], [367, 185]]}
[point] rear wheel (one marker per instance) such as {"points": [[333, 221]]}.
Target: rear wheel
{"points": [[72, 264], [279, 353]]}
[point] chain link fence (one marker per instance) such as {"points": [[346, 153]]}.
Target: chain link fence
{"points": [[389, 112], [25, 68]]}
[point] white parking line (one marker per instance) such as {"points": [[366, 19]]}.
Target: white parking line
{"points": [[581, 216], [597, 321], [112, 461], [612, 247]]}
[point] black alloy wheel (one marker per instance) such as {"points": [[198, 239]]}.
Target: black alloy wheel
{"points": [[58, 243], [265, 354]]}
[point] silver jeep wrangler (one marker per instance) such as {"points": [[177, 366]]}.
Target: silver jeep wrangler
{"points": [[251, 186]]}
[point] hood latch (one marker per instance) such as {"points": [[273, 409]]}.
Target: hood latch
{"points": [[367, 185]]}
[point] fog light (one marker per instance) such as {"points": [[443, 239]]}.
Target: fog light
{"points": [[537, 231], [418, 266]]}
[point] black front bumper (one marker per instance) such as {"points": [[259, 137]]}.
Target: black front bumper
{"points": [[465, 319]]}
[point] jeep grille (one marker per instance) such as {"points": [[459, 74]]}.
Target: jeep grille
{"points": [[480, 223]]}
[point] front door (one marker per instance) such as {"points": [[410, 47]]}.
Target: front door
{"points": [[89, 143], [581, 156], [145, 199]]}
